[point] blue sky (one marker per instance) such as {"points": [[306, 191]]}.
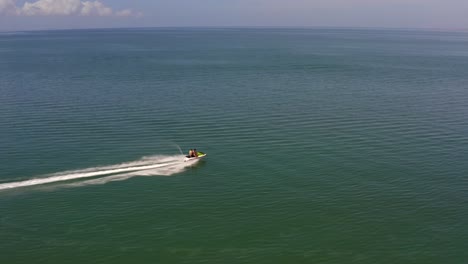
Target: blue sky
{"points": [[58, 14]]}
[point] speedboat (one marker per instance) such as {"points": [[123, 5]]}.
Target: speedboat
{"points": [[200, 155]]}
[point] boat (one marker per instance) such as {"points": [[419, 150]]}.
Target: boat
{"points": [[199, 156]]}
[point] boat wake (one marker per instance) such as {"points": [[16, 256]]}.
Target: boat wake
{"points": [[159, 165]]}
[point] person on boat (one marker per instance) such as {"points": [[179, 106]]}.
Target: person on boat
{"points": [[190, 153], [195, 153]]}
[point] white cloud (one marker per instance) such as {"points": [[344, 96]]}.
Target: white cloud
{"points": [[62, 8], [125, 12], [7, 7], [51, 8], [95, 8]]}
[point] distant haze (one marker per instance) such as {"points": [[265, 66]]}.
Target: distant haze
{"points": [[60, 14]]}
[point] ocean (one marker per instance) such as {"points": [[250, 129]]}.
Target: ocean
{"points": [[323, 146]]}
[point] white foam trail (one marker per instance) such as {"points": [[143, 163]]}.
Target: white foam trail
{"points": [[155, 165], [168, 170]]}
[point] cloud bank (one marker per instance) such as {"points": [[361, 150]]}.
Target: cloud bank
{"points": [[62, 8]]}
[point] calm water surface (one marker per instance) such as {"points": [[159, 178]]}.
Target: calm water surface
{"points": [[324, 146]]}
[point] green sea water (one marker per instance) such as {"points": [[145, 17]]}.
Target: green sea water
{"points": [[323, 146]]}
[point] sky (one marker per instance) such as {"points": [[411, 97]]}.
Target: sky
{"points": [[69, 14]]}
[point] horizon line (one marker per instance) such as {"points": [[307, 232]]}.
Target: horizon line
{"points": [[248, 27]]}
